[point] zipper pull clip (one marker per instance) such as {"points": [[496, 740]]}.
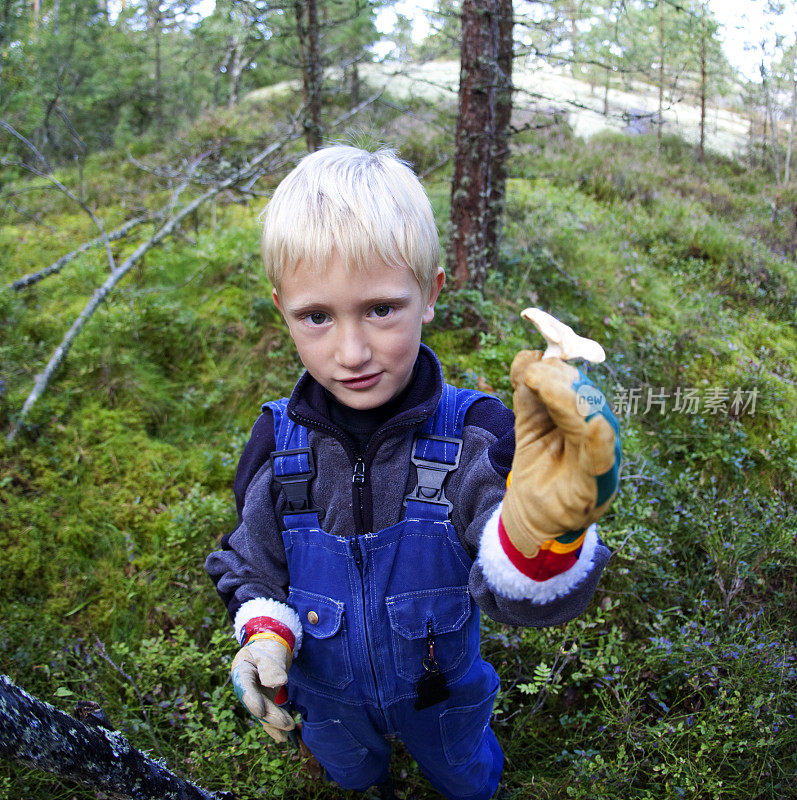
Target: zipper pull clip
{"points": [[429, 662], [359, 472], [432, 688]]}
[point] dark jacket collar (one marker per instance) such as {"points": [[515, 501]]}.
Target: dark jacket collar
{"points": [[308, 403]]}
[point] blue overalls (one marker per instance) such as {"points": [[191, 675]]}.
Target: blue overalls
{"points": [[379, 612]]}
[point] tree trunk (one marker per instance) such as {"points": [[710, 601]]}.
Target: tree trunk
{"points": [[573, 15], [156, 24], [481, 149], [234, 69], [354, 83], [703, 85], [312, 70], [792, 115], [660, 120], [769, 116], [499, 153], [36, 734]]}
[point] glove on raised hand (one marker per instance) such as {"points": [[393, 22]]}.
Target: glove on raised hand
{"points": [[553, 488], [259, 673]]}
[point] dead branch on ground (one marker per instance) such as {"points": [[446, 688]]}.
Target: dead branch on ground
{"points": [[243, 174], [47, 174], [56, 266]]}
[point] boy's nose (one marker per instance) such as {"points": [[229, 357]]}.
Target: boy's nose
{"points": [[352, 351]]}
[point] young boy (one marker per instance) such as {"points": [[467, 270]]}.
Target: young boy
{"points": [[375, 512]]}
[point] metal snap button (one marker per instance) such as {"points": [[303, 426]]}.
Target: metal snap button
{"points": [[312, 618]]}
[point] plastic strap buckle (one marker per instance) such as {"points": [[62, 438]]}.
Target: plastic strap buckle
{"points": [[296, 485], [432, 474]]}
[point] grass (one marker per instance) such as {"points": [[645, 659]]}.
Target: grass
{"points": [[678, 681]]}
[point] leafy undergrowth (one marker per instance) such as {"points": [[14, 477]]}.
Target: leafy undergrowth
{"points": [[678, 681]]}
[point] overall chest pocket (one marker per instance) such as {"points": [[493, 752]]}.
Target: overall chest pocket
{"points": [[448, 611], [324, 654]]}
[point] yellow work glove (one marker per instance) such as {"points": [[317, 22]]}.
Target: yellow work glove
{"points": [[259, 673], [564, 473]]}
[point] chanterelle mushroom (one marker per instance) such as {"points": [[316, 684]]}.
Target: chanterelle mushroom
{"points": [[563, 342]]}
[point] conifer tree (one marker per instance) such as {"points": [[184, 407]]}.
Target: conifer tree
{"points": [[482, 139]]}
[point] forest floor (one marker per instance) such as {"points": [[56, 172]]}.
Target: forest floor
{"points": [[680, 678]]}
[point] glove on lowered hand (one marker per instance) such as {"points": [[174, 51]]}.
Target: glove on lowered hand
{"points": [[553, 488], [259, 673]]}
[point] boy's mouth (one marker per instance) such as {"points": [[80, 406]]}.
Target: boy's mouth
{"points": [[362, 381]]}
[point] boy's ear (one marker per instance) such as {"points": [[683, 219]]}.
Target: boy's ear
{"points": [[276, 299], [434, 292]]}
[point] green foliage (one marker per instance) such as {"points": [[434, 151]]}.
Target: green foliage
{"points": [[677, 681]]}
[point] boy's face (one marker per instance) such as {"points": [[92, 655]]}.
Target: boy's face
{"points": [[357, 333]]}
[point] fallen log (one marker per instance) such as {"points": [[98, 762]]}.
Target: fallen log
{"points": [[37, 734], [43, 378], [244, 173]]}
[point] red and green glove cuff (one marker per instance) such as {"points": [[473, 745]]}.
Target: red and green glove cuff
{"points": [[266, 618], [556, 569], [554, 557], [264, 615]]}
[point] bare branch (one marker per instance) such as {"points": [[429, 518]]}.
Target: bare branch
{"points": [[48, 174], [99, 646], [32, 147], [44, 378], [24, 213], [56, 266], [239, 176]]}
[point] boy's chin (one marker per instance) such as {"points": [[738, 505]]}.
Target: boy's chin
{"points": [[361, 401], [365, 398]]}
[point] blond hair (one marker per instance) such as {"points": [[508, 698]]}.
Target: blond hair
{"points": [[354, 202]]}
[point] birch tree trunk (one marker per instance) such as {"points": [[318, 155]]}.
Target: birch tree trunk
{"points": [[481, 150]]}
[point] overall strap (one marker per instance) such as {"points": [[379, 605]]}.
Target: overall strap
{"points": [[293, 467], [436, 450]]}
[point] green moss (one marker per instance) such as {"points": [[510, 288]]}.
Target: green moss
{"points": [[121, 482]]}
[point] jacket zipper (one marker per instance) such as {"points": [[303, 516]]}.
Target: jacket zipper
{"points": [[358, 479], [358, 482]]}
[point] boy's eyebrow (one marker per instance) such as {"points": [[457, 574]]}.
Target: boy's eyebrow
{"points": [[310, 306]]}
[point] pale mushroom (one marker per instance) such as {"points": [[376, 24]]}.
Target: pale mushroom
{"points": [[563, 342]]}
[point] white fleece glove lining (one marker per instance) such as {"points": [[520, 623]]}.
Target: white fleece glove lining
{"points": [[268, 607]]}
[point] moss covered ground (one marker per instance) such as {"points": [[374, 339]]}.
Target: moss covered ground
{"points": [[678, 681]]}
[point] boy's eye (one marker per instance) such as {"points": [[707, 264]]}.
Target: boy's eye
{"points": [[317, 317], [382, 310]]}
